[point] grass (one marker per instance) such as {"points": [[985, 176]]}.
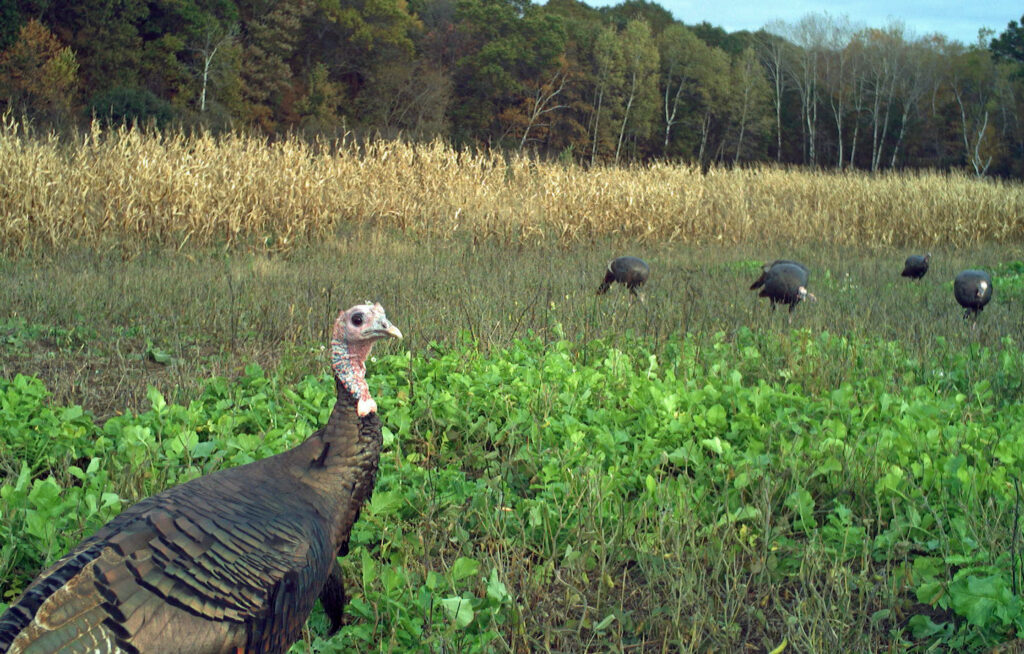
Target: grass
{"points": [[90, 323]]}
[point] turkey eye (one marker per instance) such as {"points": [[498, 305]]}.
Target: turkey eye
{"points": [[357, 319]]}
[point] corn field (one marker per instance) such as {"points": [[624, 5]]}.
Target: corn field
{"points": [[129, 187]]}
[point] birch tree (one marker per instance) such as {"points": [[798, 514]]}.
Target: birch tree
{"points": [[676, 48], [751, 93], [839, 69], [979, 85], [882, 71], [214, 38], [772, 49], [639, 67], [607, 79]]}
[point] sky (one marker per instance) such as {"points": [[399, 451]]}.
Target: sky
{"points": [[959, 20]]}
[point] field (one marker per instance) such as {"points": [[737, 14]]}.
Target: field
{"points": [[562, 472]]}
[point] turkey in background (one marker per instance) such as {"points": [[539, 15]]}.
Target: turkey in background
{"points": [[632, 272], [973, 290], [916, 266], [785, 282]]}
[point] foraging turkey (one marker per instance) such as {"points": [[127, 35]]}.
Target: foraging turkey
{"points": [[229, 562], [630, 271], [784, 281], [973, 290], [916, 266], [778, 262]]}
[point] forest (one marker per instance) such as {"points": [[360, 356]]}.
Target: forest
{"points": [[563, 80]]}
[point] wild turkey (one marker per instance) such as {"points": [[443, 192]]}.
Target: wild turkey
{"points": [[973, 290], [630, 271], [784, 281], [229, 562], [916, 266]]}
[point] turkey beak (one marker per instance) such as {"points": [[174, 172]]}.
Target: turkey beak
{"points": [[382, 328], [392, 331]]}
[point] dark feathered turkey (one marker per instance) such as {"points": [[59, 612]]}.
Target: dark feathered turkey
{"points": [[229, 562], [759, 282], [916, 266], [973, 290], [785, 282], [629, 271]]}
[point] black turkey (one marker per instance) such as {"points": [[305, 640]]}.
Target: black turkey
{"points": [[778, 262], [229, 562], [973, 290], [785, 282], [629, 271], [916, 266]]}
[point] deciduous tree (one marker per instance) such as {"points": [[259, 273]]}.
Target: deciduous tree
{"points": [[608, 79], [38, 74], [640, 91], [751, 101]]}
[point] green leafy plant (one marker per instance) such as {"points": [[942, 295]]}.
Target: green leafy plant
{"points": [[598, 495]]}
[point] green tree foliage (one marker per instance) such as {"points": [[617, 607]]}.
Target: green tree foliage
{"points": [[696, 86], [319, 106], [356, 42], [608, 79], [622, 83], [267, 88], [1010, 44], [980, 87], [210, 38], [11, 22], [640, 83], [541, 98], [750, 108], [503, 46], [717, 94], [131, 105], [410, 98], [676, 47], [570, 128], [733, 43], [105, 37], [656, 16], [38, 75]]}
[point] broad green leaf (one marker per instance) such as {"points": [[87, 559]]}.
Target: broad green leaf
{"points": [[156, 399], [385, 503], [496, 589], [979, 598], [464, 567], [458, 609]]}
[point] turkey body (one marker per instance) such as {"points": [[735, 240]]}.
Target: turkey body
{"points": [[916, 266], [973, 290], [783, 281], [232, 561], [632, 272]]}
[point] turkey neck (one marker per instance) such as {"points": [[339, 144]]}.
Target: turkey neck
{"points": [[339, 463]]}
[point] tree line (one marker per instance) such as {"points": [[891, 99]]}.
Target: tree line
{"points": [[620, 84]]}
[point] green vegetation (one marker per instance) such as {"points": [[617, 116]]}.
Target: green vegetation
{"points": [[562, 472]]}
